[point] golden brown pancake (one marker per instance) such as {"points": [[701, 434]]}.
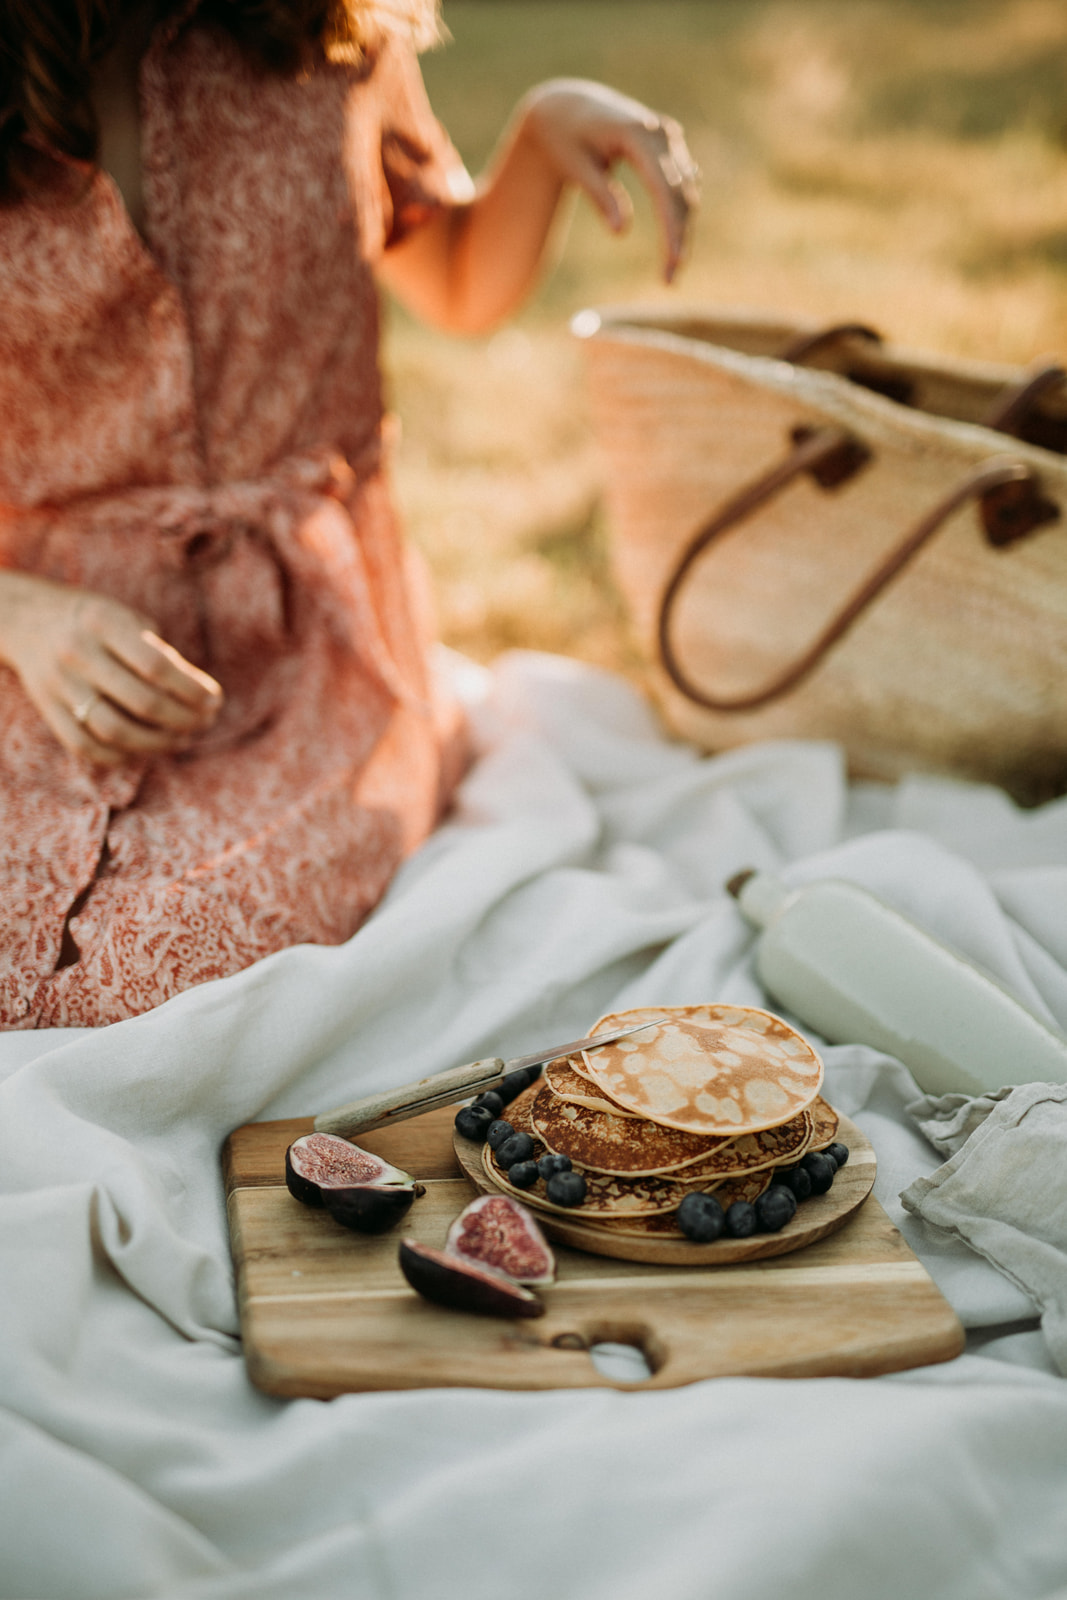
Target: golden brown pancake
{"points": [[708, 1015], [751, 1152], [735, 1070], [660, 1226], [597, 1141], [825, 1122], [518, 1112], [748, 1186], [606, 1195], [567, 1083], [663, 1225]]}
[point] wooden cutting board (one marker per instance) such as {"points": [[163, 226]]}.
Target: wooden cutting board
{"points": [[325, 1311]]}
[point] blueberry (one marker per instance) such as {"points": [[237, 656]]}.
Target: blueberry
{"points": [[513, 1083], [473, 1122], [741, 1220], [775, 1207], [796, 1178], [565, 1189], [820, 1170], [499, 1130], [516, 1147], [523, 1174], [492, 1101], [839, 1153], [701, 1218], [553, 1163]]}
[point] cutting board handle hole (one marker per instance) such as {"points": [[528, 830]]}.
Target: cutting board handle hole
{"points": [[625, 1353], [622, 1363]]}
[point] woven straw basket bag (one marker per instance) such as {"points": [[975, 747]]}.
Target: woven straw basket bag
{"points": [[820, 535]]}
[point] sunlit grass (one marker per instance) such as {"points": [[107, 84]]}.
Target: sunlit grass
{"points": [[901, 162]]}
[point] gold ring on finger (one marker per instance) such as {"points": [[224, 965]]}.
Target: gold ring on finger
{"points": [[82, 711]]}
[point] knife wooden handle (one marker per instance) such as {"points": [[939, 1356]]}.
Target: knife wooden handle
{"points": [[394, 1105]]}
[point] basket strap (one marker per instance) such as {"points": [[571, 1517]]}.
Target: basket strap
{"points": [[888, 378], [806, 345], [1007, 414], [1013, 405], [1012, 505]]}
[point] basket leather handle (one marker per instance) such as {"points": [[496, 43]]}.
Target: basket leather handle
{"points": [[1008, 413], [805, 345], [1011, 503], [1013, 405]]}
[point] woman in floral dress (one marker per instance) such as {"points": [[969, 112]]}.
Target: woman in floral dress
{"points": [[220, 734]]}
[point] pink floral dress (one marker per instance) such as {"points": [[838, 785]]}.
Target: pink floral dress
{"points": [[194, 426]]}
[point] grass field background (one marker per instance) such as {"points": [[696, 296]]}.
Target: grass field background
{"points": [[902, 162]]}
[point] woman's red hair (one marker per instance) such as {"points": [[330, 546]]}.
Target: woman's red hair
{"points": [[49, 47]]}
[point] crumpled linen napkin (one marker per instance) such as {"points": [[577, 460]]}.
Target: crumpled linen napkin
{"points": [[1003, 1190]]}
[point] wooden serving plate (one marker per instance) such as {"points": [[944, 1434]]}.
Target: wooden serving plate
{"points": [[815, 1218], [325, 1311]]}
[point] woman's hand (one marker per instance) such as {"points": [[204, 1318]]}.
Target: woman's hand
{"points": [[108, 687], [472, 263], [584, 130]]}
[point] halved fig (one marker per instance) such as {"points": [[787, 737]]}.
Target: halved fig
{"points": [[358, 1189], [496, 1231], [450, 1280]]}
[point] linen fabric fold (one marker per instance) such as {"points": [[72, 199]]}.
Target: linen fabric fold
{"points": [[1003, 1191]]}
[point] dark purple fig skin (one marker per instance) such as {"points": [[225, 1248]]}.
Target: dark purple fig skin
{"points": [[302, 1189], [463, 1286], [370, 1207]]}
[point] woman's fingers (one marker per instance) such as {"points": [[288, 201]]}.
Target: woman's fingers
{"points": [[586, 129], [160, 694], [669, 175], [127, 690], [105, 626], [104, 681], [105, 725], [594, 175], [93, 724], [72, 729], [658, 153], [134, 645]]}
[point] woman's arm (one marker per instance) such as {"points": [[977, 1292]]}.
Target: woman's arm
{"points": [[471, 264], [108, 687]]}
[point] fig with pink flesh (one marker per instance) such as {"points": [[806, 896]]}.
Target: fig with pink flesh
{"points": [[451, 1280], [497, 1232], [358, 1189]]}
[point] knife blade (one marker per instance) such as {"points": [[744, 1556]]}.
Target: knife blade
{"points": [[445, 1088]]}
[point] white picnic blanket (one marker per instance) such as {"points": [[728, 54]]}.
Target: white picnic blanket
{"points": [[583, 870]]}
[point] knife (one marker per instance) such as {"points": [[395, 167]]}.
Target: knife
{"points": [[445, 1088]]}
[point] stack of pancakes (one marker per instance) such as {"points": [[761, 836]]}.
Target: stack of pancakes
{"points": [[714, 1098]]}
